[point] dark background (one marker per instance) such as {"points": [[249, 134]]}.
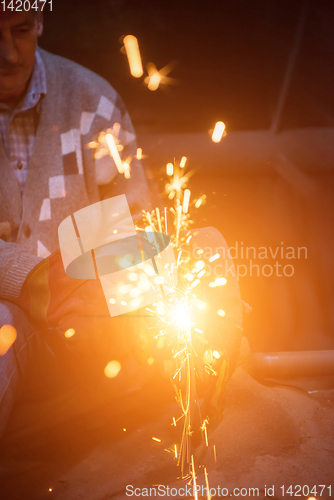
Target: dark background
{"points": [[230, 55], [230, 61]]}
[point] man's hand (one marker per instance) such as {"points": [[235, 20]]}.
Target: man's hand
{"points": [[52, 299]]}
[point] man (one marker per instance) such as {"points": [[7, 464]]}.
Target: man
{"points": [[51, 110]]}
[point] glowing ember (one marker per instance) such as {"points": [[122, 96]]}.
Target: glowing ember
{"points": [[207, 484], [126, 168], [194, 477], [214, 257], [133, 54], [114, 153], [220, 281], [156, 78], [154, 81], [183, 161], [69, 333], [218, 132], [157, 439], [186, 198], [170, 169], [199, 265], [139, 153], [112, 369]]}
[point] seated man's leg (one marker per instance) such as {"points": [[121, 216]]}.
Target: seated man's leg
{"points": [[51, 386], [36, 368], [13, 363]]}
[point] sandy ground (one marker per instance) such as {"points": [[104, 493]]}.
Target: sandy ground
{"points": [[269, 437]]}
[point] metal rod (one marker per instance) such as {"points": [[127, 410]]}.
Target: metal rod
{"points": [[293, 364]]}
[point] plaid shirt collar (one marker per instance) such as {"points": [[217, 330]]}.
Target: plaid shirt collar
{"points": [[36, 89]]}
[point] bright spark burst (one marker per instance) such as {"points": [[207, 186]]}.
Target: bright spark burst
{"points": [[179, 324]]}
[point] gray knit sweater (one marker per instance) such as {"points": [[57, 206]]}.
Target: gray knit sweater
{"points": [[62, 174]]}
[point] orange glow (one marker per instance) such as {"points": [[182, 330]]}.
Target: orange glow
{"points": [[218, 131], [8, 336], [112, 369], [69, 333], [139, 153], [170, 169], [157, 440], [133, 54], [114, 153], [183, 161], [221, 313], [186, 198]]}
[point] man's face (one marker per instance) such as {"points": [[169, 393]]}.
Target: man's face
{"points": [[19, 32]]}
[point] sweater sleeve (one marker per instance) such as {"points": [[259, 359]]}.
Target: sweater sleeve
{"points": [[15, 264]]}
